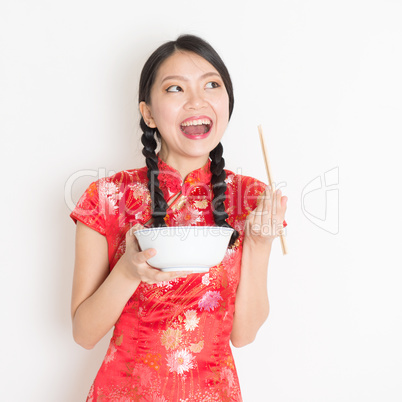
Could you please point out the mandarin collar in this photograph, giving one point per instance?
(170, 180)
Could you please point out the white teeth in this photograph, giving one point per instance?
(196, 122)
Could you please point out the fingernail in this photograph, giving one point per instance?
(279, 192)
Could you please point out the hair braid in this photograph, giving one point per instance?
(219, 188)
(158, 203)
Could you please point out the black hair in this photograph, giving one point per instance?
(194, 44)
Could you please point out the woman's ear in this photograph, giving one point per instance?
(147, 115)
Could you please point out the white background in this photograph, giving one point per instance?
(324, 80)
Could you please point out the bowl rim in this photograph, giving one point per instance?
(207, 227)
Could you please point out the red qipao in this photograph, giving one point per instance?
(171, 342)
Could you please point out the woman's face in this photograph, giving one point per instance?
(189, 106)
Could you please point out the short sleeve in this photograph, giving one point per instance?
(89, 209)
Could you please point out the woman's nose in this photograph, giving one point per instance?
(195, 100)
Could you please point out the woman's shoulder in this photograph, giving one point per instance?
(117, 184)
(127, 176)
(244, 182)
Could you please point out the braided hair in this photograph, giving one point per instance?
(158, 202)
(159, 205)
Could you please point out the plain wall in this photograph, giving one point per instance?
(324, 80)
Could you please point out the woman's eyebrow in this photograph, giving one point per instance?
(183, 78)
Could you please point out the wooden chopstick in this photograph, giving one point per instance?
(271, 183)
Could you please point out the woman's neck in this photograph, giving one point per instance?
(184, 165)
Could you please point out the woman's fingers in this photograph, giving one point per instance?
(259, 210)
(257, 215)
(265, 210)
(151, 275)
(279, 202)
(160, 276)
(142, 257)
(139, 260)
(131, 240)
(266, 220)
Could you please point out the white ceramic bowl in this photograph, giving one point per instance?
(185, 248)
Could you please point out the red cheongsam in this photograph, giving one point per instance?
(171, 342)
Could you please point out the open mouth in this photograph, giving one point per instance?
(196, 127)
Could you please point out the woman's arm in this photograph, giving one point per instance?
(98, 297)
(252, 304)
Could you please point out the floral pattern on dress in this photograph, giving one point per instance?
(180, 361)
(210, 300)
(171, 338)
(191, 321)
(197, 347)
(171, 341)
(187, 217)
(205, 279)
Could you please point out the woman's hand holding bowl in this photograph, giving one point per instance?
(135, 261)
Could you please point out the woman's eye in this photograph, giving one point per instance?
(212, 84)
(174, 88)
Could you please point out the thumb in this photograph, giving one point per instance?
(130, 237)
